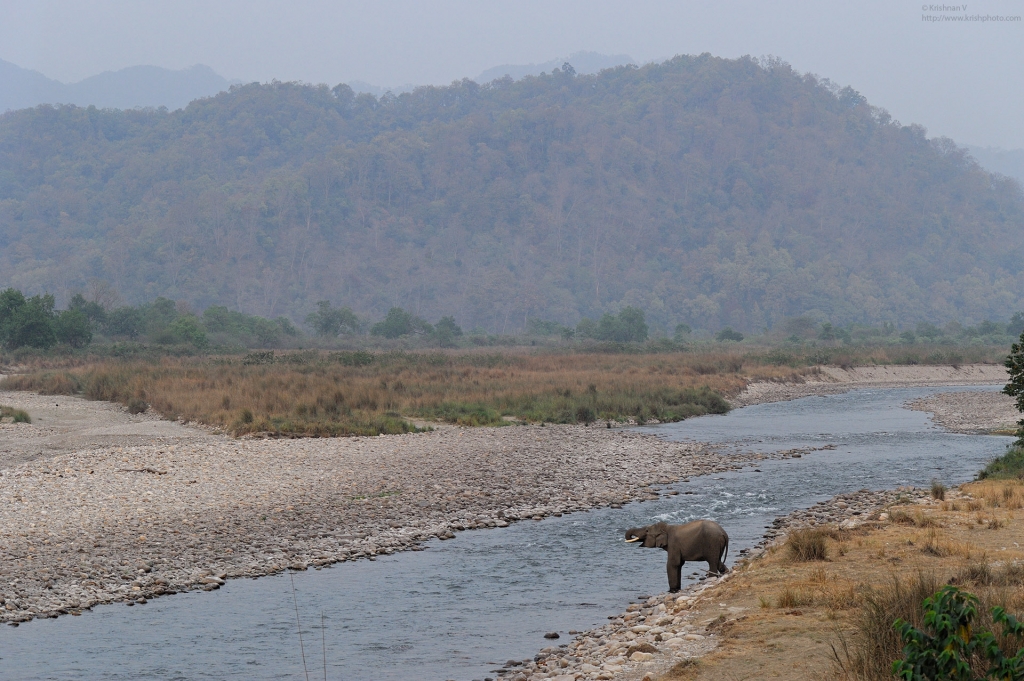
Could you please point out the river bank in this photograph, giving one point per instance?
(832, 380)
(673, 631)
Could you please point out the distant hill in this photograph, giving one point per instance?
(705, 191)
(136, 86)
(1009, 162)
(583, 63)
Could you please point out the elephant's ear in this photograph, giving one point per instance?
(661, 536)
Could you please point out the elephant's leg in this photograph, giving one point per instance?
(675, 574)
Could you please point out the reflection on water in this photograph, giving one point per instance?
(466, 605)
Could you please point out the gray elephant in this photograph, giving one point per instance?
(701, 540)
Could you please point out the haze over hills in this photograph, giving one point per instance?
(584, 63)
(705, 191)
(135, 86)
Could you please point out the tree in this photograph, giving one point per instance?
(447, 331)
(125, 322)
(1015, 387)
(928, 330)
(93, 311)
(73, 327)
(727, 334)
(186, 329)
(628, 326)
(26, 322)
(586, 328)
(330, 322)
(633, 325)
(1016, 325)
(682, 333)
(398, 323)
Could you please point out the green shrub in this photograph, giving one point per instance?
(1009, 465)
(949, 646)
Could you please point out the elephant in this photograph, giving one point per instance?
(700, 540)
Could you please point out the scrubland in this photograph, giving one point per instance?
(318, 394)
(821, 604)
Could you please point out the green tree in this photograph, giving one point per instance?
(398, 323)
(330, 322)
(1015, 387)
(125, 322)
(586, 328)
(928, 330)
(93, 311)
(1016, 325)
(73, 327)
(633, 324)
(682, 333)
(727, 334)
(447, 331)
(187, 329)
(27, 322)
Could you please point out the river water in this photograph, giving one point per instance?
(465, 606)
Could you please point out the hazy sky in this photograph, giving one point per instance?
(961, 79)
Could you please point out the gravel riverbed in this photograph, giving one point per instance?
(85, 522)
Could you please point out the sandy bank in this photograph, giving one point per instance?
(831, 380)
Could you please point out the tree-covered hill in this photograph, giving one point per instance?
(704, 191)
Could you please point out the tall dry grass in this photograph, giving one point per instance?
(309, 393)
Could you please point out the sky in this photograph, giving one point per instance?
(961, 79)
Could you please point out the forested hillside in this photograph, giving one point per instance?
(703, 191)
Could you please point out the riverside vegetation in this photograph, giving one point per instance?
(311, 393)
(318, 393)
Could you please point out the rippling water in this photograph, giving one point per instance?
(463, 607)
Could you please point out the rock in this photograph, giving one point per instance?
(551, 634)
(641, 657)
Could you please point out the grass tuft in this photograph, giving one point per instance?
(808, 544)
(15, 415)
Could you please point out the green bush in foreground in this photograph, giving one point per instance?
(1009, 465)
(951, 647)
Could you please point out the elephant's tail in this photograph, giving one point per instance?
(725, 554)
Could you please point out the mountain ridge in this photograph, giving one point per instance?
(705, 191)
(127, 88)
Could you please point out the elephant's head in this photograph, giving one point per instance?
(651, 537)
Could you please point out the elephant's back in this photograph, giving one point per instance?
(709, 529)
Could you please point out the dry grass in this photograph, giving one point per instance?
(310, 393)
(808, 544)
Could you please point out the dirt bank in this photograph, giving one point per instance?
(830, 380)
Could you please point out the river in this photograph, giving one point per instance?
(463, 607)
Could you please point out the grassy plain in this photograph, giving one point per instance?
(322, 393)
(318, 394)
(830, 616)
